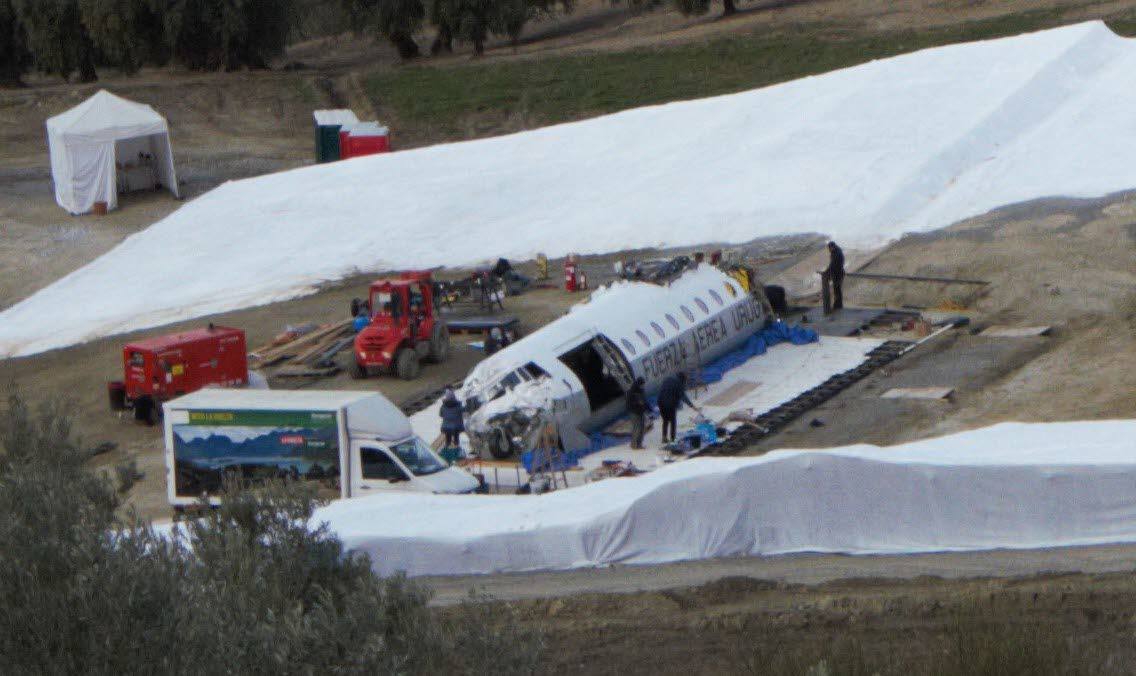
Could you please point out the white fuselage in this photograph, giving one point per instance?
(579, 366)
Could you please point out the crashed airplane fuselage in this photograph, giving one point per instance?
(576, 370)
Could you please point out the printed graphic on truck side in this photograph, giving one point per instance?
(254, 445)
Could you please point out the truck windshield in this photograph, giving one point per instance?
(416, 455)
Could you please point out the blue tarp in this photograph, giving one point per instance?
(599, 441)
(777, 332)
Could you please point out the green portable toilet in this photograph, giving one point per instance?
(328, 123)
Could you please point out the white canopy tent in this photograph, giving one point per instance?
(106, 145)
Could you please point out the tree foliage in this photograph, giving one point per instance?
(471, 21)
(14, 55)
(127, 33)
(396, 20)
(228, 34)
(57, 38)
(701, 7)
(66, 36)
(249, 588)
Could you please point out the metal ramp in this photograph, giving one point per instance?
(776, 419)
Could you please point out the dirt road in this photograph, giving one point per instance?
(797, 569)
(1043, 624)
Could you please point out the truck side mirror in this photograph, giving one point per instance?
(398, 478)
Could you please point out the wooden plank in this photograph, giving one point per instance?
(931, 393)
(307, 339)
(998, 331)
(337, 347)
(320, 347)
(915, 278)
(304, 372)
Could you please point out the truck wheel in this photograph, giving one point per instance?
(116, 393)
(500, 446)
(147, 410)
(358, 372)
(439, 344)
(406, 364)
(155, 417)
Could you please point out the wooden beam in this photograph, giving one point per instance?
(914, 278)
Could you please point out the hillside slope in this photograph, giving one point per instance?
(864, 154)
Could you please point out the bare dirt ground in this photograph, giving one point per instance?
(920, 625)
(1068, 263)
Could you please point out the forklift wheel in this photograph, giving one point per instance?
(500, 446)
(358, 372)
(439, 344)
(406, 364)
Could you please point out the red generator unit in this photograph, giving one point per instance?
(163, 367)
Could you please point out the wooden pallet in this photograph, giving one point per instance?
(301, 344)
(309, 355)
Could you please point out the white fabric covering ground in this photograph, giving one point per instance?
(1012, 485)
(88, 141)
(779, 375)
(864, 154)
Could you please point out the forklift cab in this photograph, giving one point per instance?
(403, 328)
(400, 301)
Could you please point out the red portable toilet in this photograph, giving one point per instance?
(345, 140)
(368, 138)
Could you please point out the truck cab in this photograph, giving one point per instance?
(341, 443)
(403, 328)
(407, 465)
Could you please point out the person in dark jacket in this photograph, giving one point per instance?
(835, 274)
(672, 395)
(452, 423)
(493, 341)
(637, 408)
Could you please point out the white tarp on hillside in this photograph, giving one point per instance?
(864, 154)
(1009, 486)
(105, 145)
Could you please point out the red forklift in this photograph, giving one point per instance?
(163, 367)
(403, 329)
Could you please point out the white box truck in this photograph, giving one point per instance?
(356, 443)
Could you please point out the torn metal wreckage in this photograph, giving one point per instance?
(579, 367)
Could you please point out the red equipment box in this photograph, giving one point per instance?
(164, 367)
